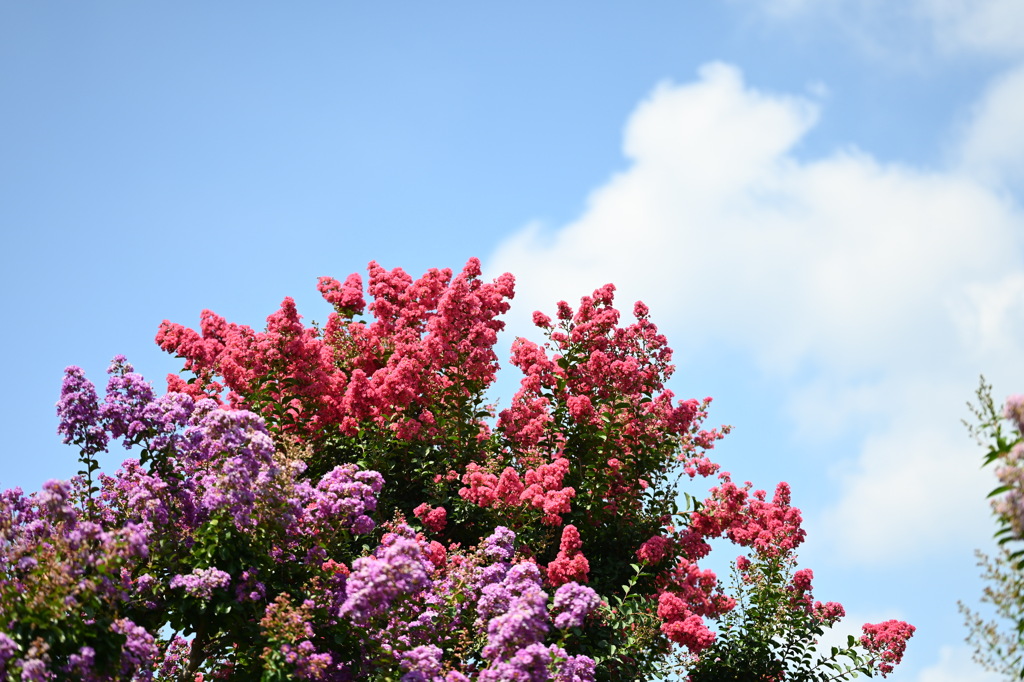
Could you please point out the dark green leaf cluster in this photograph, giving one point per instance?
(772, 635)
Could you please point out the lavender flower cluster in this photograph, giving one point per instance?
(58, 563)
(71, 551)
(345, 496)
(486, 592)
(201, 582)
(1010, 505)
(211, 489)
(397, 568)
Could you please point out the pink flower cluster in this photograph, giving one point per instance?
(748, 519)
(1009, 506)
(691, 595)
(570, 564)
(542, 490)
(610, 366)
(429, 346)
(654, 549)
(681, 625)
(888, 642)
(827, 614)
(434, 519)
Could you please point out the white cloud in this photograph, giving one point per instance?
(955, 665)
(993, 145)
(991, 318)
(992, 27)
(983, 25)
(915, 488)
(874, 290)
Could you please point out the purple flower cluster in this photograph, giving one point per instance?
(35, 665)
(488, 582)
(79, 413)
(398, 568)
(80, 664)
(422, 663)
(305, 660)
(204, 465)
(139, 650)
(540, 663)
(573, 603)
(239, 452)
(128, 396)
(201, 582)
(524, 619)
(576, 669)
(136, 489)
(249, 588)
(531, 663)
(8, 648)
(43, 533)
(165, 416)
(175, 659)
(223, 463)
(343, 498)
(515, 610)
(500, 545)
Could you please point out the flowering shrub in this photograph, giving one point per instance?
(340, 503)
(998, 646)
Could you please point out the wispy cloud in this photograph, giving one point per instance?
(992, 147)
(955, 665)
(902, 32)
(993, 26)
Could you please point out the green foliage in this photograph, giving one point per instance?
(773, 633)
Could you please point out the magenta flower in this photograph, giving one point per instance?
(888, 642)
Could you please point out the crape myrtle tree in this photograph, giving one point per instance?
(999, 642)
(339, 502)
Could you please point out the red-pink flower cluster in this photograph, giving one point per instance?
(771, 528)
(614, 373)
(828, 613)
(681, 625)
(570, 564)
(543, 489)
(430, 346)
(654, 550)
(434, 519)
(691, 595)
(437, 554)
(888, 642)
(346, 298)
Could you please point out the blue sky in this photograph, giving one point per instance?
(823, 204)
